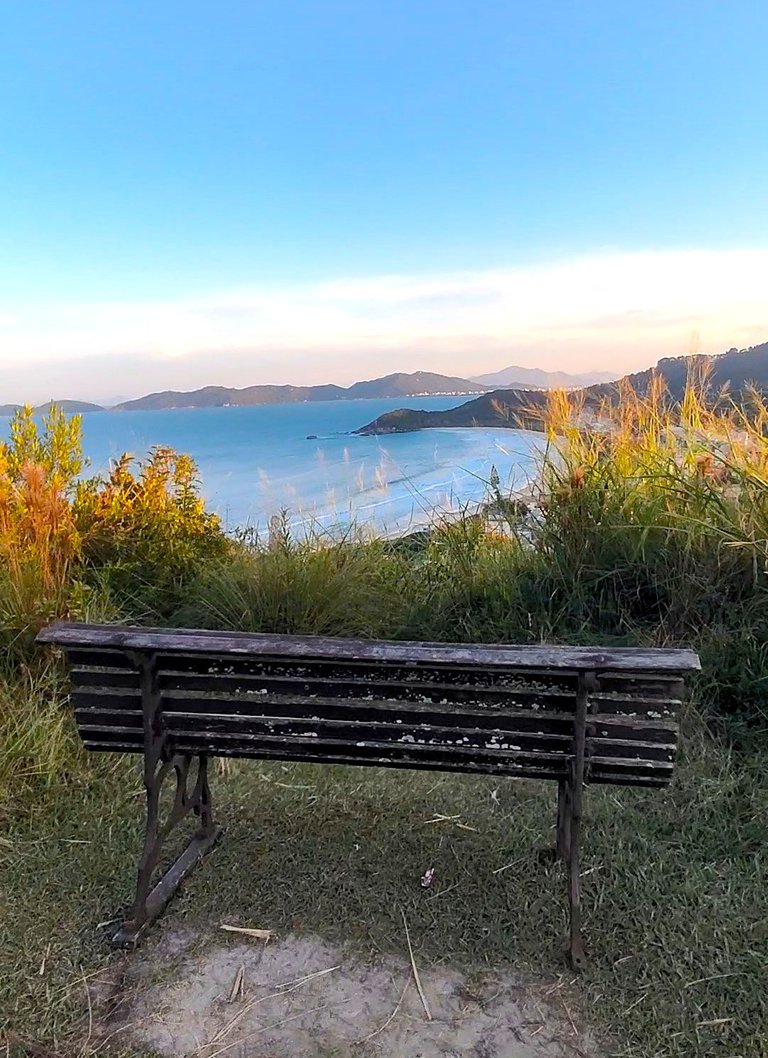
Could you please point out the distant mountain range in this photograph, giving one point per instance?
(507, 405)
(534, 378)
(400, 384)
(733, 373)
(418, 384)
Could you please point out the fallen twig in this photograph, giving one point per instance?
(237, 986)
(258, 934)
(274, 1025)
(506, 866)
(283, 989)
(85, 1046)
(416, 977)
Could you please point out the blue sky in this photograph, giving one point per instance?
(238, 162)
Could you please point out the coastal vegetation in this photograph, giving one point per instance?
(648, 527)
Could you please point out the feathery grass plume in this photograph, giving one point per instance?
(655, 520)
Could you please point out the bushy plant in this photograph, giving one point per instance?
(145, 530)
(93, 548)
(39, 542)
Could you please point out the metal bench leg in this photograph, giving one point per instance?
(151, 900)
(563, 843)
(576, 953)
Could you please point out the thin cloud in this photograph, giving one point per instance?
(611, 311)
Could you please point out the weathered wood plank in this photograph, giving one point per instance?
(215, 742)
(502, 712)
(348, 669)
(613, 725)
(615, 778)
(204, 673)
(181, 724)
(233, 686)
(633, 659)
(651, 684)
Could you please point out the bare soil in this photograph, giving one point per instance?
(300, 997)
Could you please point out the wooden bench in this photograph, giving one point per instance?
(575, 715)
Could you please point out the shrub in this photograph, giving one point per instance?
(39, 542)
(145, 531)
(78, 548)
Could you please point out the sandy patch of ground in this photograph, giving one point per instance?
(300, 997)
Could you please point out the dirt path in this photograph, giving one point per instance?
(302, 998)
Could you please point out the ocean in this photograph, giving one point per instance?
(257, 462)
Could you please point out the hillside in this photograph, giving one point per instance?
(535, 378)
(71, 407)
(734, 372)
(511, 408)
(417, 384)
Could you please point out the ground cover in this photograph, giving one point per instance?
(675, 888)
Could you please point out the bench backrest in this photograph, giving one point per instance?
(508, 710)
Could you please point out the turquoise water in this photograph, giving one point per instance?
(256, 462)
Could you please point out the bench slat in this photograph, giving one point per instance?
(332, 669)
(181, 666)
(598, 773)
(650, 684)
(235, 692)
(605, 725)
(181, 724)
(623, 659)
(384, 712)
(214, 742)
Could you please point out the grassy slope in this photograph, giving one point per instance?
(676, 886)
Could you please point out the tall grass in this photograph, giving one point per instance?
(39, 743)
(652, 524)
(80, 548)
(318, 586)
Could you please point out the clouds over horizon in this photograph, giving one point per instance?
(602, 312)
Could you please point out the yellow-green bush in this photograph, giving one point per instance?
(77, 548)
(144, 531)
(39, 542)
